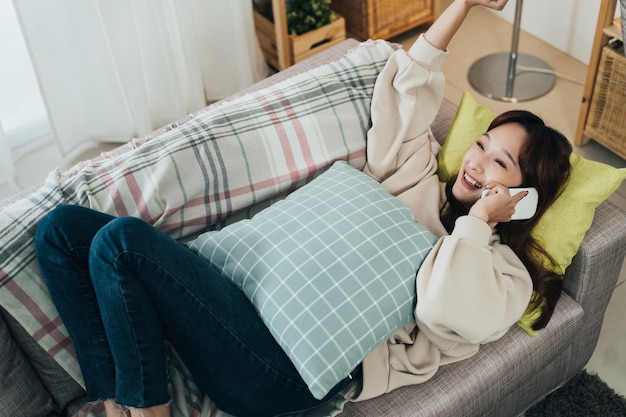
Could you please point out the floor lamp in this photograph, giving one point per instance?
(509, 76)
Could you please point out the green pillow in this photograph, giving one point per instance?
(330, 269)
(563, 226)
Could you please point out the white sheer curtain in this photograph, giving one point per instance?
(7, 168)
(110, 70)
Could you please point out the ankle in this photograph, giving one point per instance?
(157, 411)
(113, 409)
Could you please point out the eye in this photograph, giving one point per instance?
(501, 163)
(480, 145)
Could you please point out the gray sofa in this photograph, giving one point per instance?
(503, 379)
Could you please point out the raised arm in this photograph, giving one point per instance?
(443, 29)
(406, 99)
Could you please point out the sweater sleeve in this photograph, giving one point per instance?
(405, 101)
(471, 288)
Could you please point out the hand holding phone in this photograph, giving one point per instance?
(526, 207)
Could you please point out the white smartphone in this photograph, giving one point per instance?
(526, 207)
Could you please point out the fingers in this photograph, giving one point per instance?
(492, 4)
(495, 188)
(499, 4)
(498, 204)
(517, 197)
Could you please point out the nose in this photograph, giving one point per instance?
(476, 164)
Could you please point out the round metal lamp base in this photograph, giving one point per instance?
(533, 77)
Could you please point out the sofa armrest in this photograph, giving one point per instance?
(592, 276)
(21, 390)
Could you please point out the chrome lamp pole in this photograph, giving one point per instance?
(509, 76)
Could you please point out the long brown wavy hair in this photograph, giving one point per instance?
(544, 162)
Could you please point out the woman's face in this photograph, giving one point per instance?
(494, 158)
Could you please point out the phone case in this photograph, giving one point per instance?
(527, 206)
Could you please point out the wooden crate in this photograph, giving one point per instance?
(299, 47)
(606, 122)
(310, 43)
(383, 19)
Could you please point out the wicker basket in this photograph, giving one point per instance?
(606, 122)
(383, 19)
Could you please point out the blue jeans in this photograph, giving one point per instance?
(122, 287)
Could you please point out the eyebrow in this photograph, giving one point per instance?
(507, 153)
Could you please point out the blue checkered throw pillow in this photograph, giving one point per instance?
(330, 269)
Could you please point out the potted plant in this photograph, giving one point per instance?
(306, 15)
(312, 26)
(302, 15)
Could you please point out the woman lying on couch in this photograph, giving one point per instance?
(122, 287)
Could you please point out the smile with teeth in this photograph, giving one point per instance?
(472, 181)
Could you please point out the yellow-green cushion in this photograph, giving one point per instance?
(563, 226)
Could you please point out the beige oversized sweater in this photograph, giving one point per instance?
(471, 289)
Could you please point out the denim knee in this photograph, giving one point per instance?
(122, 233)
(65, 226)
(49, 225)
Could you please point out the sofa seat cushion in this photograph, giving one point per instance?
(330, 269)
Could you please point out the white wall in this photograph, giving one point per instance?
(568, 25)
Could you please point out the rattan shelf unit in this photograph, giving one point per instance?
(602, 115)
(383, 19)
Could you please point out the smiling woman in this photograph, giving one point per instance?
(492, 161)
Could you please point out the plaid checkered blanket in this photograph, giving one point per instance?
(223, 164)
